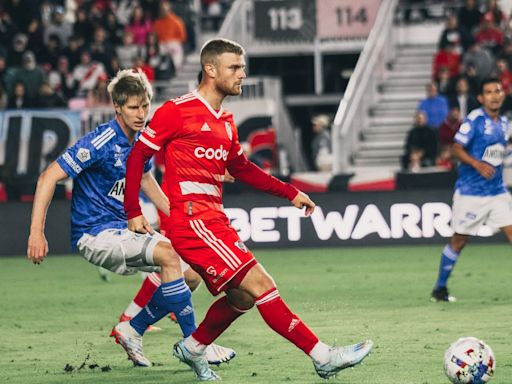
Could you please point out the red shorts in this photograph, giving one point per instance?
(214, 250)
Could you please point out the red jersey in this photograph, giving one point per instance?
(199, 143)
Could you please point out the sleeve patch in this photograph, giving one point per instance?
(465, 128)
(72, 163)
(83, 155)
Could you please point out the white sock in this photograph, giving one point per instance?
(132, 309)
(193, 345)
(320, 353)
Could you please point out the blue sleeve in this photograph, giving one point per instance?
(80, 156)
(148, 166)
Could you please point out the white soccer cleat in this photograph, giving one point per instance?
(216, 355)
(131, 341)
(343, 357)
(197, 362)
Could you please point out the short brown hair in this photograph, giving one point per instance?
(216, 47)
(129, 82)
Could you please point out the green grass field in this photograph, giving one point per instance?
(60, 313)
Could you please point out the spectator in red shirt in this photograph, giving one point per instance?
(449, 58)
(449, 127)
(504, 75)
(489, 36)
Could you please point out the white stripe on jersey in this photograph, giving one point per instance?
(188, 187)
(184, 98)
(212, 236)
(102, 139)
(217, 248)
(216, 114)
(149, 143)
(271, 296)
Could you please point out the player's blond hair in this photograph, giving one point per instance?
(212, 49)
(129, 82)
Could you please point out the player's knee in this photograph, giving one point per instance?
(165, 256)
(192, 279)
(458, 243)
(240, 299)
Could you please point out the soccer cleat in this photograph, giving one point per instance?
(442, 294)
(131, 342)
(215, 354)
(343, 357)
(124, 317)
(197, 362)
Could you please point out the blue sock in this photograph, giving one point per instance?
(448, 260)
(175, 297)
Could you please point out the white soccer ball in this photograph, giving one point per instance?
(469, 361)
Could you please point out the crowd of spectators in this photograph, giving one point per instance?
(475, 43)
(56, 53)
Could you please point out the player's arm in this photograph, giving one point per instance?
(37, 247)
(134, 171)
(249, 173)
(153, 191)
(484, 169)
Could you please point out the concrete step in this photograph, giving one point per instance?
(411, 73)
(401, 95)
(397, 129)
(425, 66)
(403, 50)
(399, 106)
(393, 121)
(385, 136)
(403, 88)
(418, 81)
(372, 162)
(395, 145)
(379, 153)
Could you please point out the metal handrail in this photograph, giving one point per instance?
(378, 49)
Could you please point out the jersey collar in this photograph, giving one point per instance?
(216, 114)
(115, 125)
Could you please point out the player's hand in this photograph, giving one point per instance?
(139, 224)
(37, 247)
(228, 178)
(302, 200)
(485, 170)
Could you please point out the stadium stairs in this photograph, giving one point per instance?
(382, 142)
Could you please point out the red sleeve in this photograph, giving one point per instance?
(134, 170)
(246, 171)
(162, 128)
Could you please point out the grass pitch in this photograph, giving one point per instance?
(59, 315)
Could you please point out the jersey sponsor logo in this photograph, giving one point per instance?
(211, 154)
(229, 131)
(72, 163)
(494, 154)
(224, 271)
(117, 190)
(83, 155)
(206, 128)
(149, 132)
(211, 271)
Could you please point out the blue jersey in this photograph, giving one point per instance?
(97, 163)
(485, 140)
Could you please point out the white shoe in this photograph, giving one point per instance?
(215, 354)
(197, 362)
(343, 357)
(131, 341)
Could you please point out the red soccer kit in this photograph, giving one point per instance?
(199, 144)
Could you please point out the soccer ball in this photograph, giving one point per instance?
(469, 361)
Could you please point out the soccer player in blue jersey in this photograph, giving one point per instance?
(481, 196)
(97, 164)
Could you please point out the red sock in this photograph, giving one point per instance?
(218, 318)
(279, 317)
(149, 286)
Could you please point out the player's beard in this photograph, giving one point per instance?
(229, 91)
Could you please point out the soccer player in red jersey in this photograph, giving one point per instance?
(200, 141)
